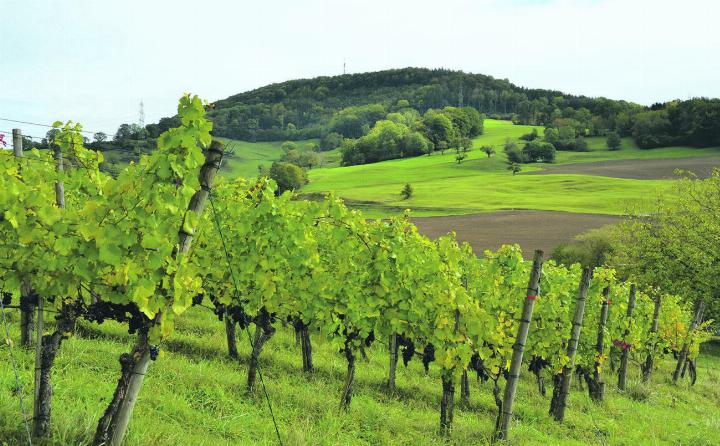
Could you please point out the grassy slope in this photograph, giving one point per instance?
(247, 156)
(443, 187)
(195, 395)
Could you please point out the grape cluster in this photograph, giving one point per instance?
(408, 349)
(428, 356)
(100, 311)
(537, 364)
(6, 298)
(154, 351)
(476, 363)
(236, 312)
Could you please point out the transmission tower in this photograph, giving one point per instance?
(343, 66)
(460, 96)
(141, 117)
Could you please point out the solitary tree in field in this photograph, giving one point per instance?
(514, 168)
(442, 147)
(100, 137)
(489, 151)
(407, 191)
(460, 157)
(613, 141)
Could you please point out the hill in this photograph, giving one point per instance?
(300, 109)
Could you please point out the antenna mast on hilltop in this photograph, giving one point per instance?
(343, 66)
(141, 117)
(460, 96)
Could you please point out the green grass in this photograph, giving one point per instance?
(195, 395)
(444, 187)
(245, 157)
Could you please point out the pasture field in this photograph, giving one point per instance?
(246, 156)
(529, 229)
(195, 395)
(479, 184)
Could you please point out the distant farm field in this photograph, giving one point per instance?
(542, 206)
(529, 229)
(639, 169)
(479, 184)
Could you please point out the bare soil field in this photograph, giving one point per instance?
(637, 169)
(530, 229)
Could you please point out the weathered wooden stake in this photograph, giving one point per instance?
(596, 387)
(647, 367)
(393, 350)
(113, 425)
(27, 308)
(506, 411)
(622, 373)
(17, 142)
(562, 384)
(41, 407)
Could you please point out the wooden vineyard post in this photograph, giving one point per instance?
(506, 411)
(562, 383)
(622, 373)
(647, 367)
(596, 387)
(27, 308)
(41, 408)
(393, 350)
(113, 425)
(699, 309)
(17, 143)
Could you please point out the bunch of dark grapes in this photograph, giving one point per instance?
(408, 349)
(428, 356)
(476, 363)
(237, 313)
(154, 351)
(537, 364)
(6, 298)
(370, 339)
(98, 312)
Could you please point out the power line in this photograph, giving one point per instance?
(101, 149)
(49, 126)
(18, 384)
(247, 328)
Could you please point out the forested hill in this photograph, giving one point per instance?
(301, 109)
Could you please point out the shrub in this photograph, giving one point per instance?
(538, 151)
(613, 141)
(532, 136)
(407, 191)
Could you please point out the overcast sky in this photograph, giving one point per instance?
(94, 61)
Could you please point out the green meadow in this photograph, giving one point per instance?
(195, 395)
(444, 187)
(477, 184)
